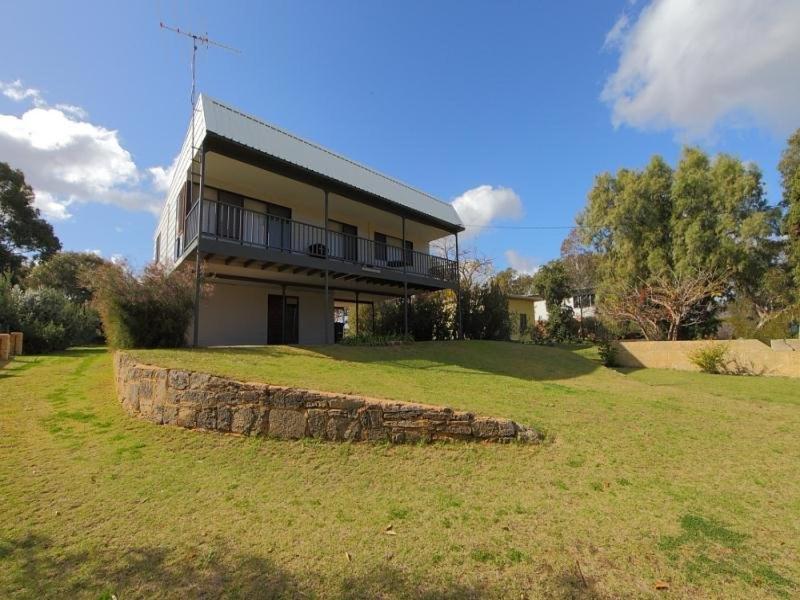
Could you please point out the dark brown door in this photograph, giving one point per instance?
(283, 319)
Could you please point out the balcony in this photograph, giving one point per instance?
(236, 225)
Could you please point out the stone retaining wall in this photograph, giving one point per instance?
(202, 401)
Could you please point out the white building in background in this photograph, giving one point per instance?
(582, 304)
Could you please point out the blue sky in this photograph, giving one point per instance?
(448, 97)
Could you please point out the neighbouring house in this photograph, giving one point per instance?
(522, 310)
(290, 237)
(582, 304)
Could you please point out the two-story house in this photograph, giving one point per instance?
(282, 231)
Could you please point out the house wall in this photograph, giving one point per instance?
(237, 314)
(540, 309)
(517, 307)
(167, 227)
(307, 202)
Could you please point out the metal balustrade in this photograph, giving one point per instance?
(245, 227)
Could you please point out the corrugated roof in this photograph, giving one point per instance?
(239, 127)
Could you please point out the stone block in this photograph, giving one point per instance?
(242, 419)
(339, 428)
(187, 417)
(345, 403)
(178, 380)
(317, 420)
(458, 428)
(485, 428)
(287, 424)
(372, 418)
(288, 398)
(224, 418)
(206, 418)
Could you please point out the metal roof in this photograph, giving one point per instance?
(249, 131)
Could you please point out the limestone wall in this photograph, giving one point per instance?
(750, 355)
(202, 401)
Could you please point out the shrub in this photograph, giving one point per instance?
(8, 313)
(712, 358)
(367, 339)
(561, 325)
(607, 352)
(50, 321)
(150, 311)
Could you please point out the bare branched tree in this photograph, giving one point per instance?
(666, 302)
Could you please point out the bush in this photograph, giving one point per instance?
(151, 311)
(607, 352)
(561, 325)
(366, 339)
(711, 359)
(50, 321)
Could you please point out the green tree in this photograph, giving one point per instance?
(23, 232)
(789, 168)
(552, 283)
(69, 272)
(708, 216)
(514, 282)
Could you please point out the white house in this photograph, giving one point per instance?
(287, 233)
(582, 304)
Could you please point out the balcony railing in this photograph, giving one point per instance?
(245, 227)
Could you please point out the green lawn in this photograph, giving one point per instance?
(647, 476)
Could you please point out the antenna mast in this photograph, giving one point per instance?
(197, 41)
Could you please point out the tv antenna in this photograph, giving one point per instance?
(198, 40)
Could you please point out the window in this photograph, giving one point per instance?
(342, 240)
(584, 301)
(523, 323)
(380, 246)
(389, 249)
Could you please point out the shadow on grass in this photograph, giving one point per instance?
(39, 569)
(521, 361)
(509, 359)
(36, 567)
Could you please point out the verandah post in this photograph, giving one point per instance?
(405, 283)
(197, 262)
(328, 312)
(458, 292)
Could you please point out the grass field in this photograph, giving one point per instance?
(647, 477)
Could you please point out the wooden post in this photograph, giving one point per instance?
(5, 346)
(16, 343)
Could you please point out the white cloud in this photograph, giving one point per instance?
(162, 177)
(18, 92)
(617, 32)
(484, 205)
(692, 65)
(75, 111)
(117, 259)
(68, 160)
(523, 264)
